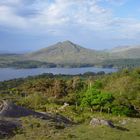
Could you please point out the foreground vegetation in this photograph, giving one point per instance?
(113, 96)
(42, 130)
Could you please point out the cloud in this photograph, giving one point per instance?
(10, 2)
(61, 16)
(59, 12)
(129, 28)
(9, 18)
(84, 13)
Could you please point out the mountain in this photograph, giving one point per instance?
(126, 52)
(67, 53)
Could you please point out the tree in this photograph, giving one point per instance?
(94, 98)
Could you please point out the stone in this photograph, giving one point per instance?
(64, 106)
(11, 110)
(123, 122)
(98, 122)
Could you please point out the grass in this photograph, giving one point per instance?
(87, 132)
(37, 129)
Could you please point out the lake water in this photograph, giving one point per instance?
(9, 73)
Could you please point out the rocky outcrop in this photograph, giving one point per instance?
(10, 121)
(11, 110)
(8, 109)
(98, 122)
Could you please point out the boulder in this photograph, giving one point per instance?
(11, 110)
(98, 122)
(10, 114)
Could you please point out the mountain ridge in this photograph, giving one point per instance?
(67, 52)
(126, 52)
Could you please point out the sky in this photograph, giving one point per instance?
(28, 25)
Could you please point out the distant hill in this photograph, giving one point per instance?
(67, 53)
(126, 52)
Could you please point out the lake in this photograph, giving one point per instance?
(9, 73)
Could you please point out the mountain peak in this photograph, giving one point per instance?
(66, 52)
(66, 46)
(65, 43)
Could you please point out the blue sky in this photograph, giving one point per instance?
(27, 25)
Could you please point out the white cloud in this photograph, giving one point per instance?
(9, 18)
(59, 12)
(11, 2)
(130, 29)
(60, 15)
(81, 12)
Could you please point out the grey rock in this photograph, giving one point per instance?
(11, 110)
(98, 122)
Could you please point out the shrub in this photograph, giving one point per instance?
(121, 110)
(96, 99)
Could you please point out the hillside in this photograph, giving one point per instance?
(63, 107)
(67, 53)
(126, 52)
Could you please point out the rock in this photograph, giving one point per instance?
(123, 122)
(135, 120)
(64, 106)
(98, 122)
(7, 128)
(11, 110)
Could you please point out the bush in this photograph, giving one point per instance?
(96, 99)
(33, 101)
(98, 84)
(121, 110)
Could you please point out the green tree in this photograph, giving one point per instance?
(94, 98)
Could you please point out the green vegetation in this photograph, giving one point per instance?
(95, 99)
(86, 132)
(113, 96)
(6, 59)
(18, 61)
(116, 93)
(30, 64)
(121, 63)
(41, 130)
